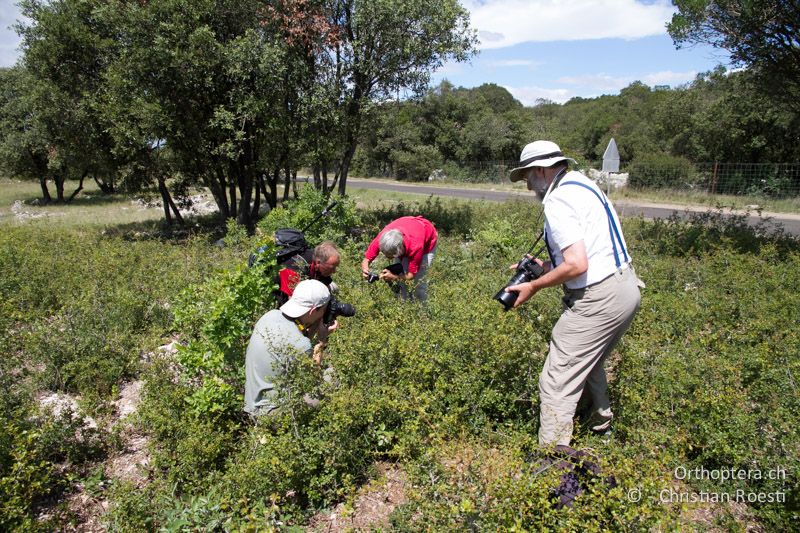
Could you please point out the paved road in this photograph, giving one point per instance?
(790, 222)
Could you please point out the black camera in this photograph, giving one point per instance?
(394, 268)
(527, 270)
(336, 308)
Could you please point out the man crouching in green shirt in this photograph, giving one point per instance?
(278, 338)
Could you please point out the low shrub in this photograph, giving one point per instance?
(657, 171)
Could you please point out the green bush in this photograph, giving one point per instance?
(299, 213)
(77, 310)
(417, 163)
(38, 457)
(486, 486)
(658, 171)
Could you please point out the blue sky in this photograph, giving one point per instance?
(558, 49)
(553, 49)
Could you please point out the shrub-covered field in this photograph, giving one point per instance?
(704, 381)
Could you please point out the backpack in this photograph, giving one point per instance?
(289, 242)
(293, 257)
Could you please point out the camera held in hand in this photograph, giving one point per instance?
(336, 308)
(527, 270)
(394, 268)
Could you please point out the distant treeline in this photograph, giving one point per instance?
(721, 116)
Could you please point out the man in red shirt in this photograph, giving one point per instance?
(410, 241)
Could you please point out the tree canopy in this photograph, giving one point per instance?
(231, 95)
(763, 35)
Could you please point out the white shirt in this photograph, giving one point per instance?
(573, 213)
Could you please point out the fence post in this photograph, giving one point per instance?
(714, 178)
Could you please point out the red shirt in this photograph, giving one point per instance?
(419, 238)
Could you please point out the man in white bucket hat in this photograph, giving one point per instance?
(589, 257)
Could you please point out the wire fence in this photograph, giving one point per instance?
(770, 180)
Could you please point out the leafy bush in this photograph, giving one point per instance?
(448, 217)
(300, 212)
(37, 458)
(77, 310)
(659, 171)
(417, 163)
(470, 485)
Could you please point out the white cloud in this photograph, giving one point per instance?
(667, 77)
(529, 95)
(503, 23)
(603, 83)
(514, 63)
(598, 82)
(593, 85)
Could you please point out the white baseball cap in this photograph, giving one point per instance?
(538, 154)
(307, 295)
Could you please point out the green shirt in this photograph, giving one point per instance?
(275, 342)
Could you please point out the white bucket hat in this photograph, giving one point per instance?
(307, 295)
(538, 154)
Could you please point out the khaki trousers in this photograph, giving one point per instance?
(593, 321)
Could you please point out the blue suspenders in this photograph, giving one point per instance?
(612, 227)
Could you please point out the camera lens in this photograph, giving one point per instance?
(508, 298)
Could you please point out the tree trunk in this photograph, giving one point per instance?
(273, 187)
(46, 198)
(294, 185)
(245, 182)
(105, 188)
(80, 187)
(256, 200)
(59, 189)
(215, 183)
(317, 177)
(232, 193)
(262, 184)
(287, 182)
(169, 205)
(345, 168)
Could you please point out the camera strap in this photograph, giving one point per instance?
(541, 248)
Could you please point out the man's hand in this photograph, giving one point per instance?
(524, 292)
(385, 275)
(365, 268)
(546, 265)
(323, 330)
(318, 352)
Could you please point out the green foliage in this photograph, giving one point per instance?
(452, 394)
(416, 164)
(706, 377)
(337, 225)
(220, 315)
(658, 171)
(753, 32)
(467, 485)
(37, 458)
(78, 310)
(448, 217)
(87, 320)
